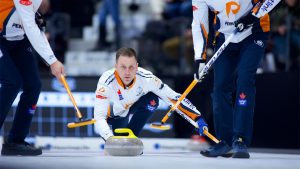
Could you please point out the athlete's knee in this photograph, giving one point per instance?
(246, 80)
(34, 87)
(220, 97)
(222, 91)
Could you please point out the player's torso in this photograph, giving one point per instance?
(10, 22)
(229, 11)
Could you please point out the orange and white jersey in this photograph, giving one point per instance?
(17, 19)
(112, 92)
(227, 12)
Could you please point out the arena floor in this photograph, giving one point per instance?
(173, 159)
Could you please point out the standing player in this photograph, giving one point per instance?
(129, 89)
(19, 32)
(236, 66)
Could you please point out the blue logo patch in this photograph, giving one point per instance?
(32, 109)
(242, 100)
(151, 108)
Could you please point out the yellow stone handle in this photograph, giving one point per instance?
(124, 130)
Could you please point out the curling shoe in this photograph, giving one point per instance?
(220, 149)
(23, 149)
(239, 149)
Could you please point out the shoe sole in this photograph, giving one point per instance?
(228, 155)
(241, 155)
(9, 153)
(223, 155)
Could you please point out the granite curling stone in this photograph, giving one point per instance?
(124, 145)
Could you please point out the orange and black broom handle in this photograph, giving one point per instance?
(184, 94)
(63, 80)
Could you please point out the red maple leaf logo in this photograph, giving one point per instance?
(194, 8)
(152, 103)
(119, 92)
(242, 96)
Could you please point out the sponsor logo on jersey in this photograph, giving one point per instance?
(25, 2)
(229, 23)
(120, 95)
(242, 101)
(100, 93)
(233, 7)
(98, 96)
(267, 5)
(101, 90)
(17, 26)
(259, 43)
(189, 104)
(51, 57)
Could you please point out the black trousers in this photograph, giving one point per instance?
(18, 70)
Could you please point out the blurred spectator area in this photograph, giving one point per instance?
(283, 51)
(160, 32)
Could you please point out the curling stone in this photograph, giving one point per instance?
(124, 145)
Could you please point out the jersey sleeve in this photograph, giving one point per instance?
(36, 37)
(200, 28)
(265, 7)
(102, 110)
(170, 97)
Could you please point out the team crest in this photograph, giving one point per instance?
(32, 109)
(120, 95)
(152, 106)
(242, 100)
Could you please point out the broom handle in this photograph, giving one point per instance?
(184, 94)
(63, 79)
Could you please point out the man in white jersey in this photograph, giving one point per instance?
(19, 32)
(128, 89)
(236, 66)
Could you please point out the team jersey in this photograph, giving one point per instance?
(17, 19)
(111, 92)
(227, 12)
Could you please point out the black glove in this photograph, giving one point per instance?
(40, 21)
(245, 22)
(199, 65)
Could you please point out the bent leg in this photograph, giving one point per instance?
(142, 110)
